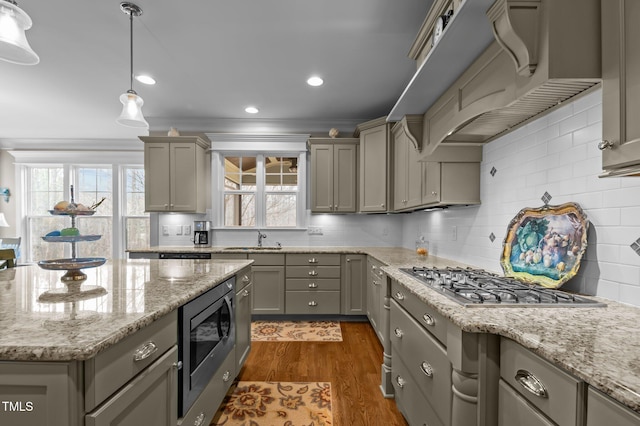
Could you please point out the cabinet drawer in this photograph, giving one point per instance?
(267, 259)
(311, 284)
(424, 357)
(318, 259)
(313, 271)
(426, 316)
(515, 410)
(560, 391)
(413, 405)
(243, 278)
(115, 366)
(312, 302)
(206, 405)
(602, 410)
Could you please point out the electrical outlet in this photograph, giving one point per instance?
(186, 229)
(454, 233)
(314, 231)
(165, 230)
(178, 230)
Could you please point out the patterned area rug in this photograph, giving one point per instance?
(296, 331)
(276, 404)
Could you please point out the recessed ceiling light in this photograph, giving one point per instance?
(145, 79)
(315, 81)
(251, 110)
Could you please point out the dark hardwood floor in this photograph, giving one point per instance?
(352, 366)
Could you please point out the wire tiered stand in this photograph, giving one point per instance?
(74, 277)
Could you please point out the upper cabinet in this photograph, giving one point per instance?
(407, 170)
(334, 165)
(375, 165)
(177, 173)
(620, 87)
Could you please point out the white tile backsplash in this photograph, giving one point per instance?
(556, 153)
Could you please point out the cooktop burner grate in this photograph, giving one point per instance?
(475, 287)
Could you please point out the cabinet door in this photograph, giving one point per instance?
(354, 284)
(183, 171)
(268, 292)
(602, 410)
(431, 184)
(150, 398)
(515, 410)
(621, 82)
(414, 177)
(157, 180)
(243, 325)
(344, 178)
(322, 178)
(400, 150)
(373, 169)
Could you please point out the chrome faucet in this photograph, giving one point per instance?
(260, 237)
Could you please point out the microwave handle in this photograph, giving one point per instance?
(221, 332)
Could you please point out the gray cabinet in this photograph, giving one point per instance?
(244, 287)
(150, 398)
(602, 410)
(313, 283)
(448, 183)
(620, 86)
(354, 284)
(333, 175)
(376, 292)
(267, 276)
(407, 170)
(177, 174)
(375, 166)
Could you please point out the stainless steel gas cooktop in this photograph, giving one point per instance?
(475, 287)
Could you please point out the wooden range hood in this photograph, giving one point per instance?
(545, 52)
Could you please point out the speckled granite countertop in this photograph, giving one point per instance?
(138, 293)
(599, 345)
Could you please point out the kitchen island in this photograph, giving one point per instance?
(598, 345)
(51, 349)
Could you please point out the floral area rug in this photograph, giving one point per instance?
(276, 404)
(296, 331)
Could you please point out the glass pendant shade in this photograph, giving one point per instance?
(14, 46)
(131, 115)
(3, 221)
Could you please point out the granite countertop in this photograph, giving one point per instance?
(35, 328)
(600, 345)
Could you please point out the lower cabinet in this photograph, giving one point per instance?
(354, 284)
(244, 287)
(602, 410)
(267, 276)
(313, 284)
(377, 291)
(150, 398)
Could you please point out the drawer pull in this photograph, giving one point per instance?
(531, 383)
(313, 260)
(313, 303)
(313, 274)
(380, 273)
(245, 293)
(199, 421)
(313, 285)
(177, 365)
(246, 279)
(226, 376)
(375, 282)
(144, 351)
(400, 381)
(399, 295)
(428, 319)
(426, 368)
(399, 333)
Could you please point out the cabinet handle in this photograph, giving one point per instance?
(399, 295)
(380, 273)
(166, 205)
(399, 333)
(144, 351)
(313, 260)
(428, 319)
(199, 421)
(313, 274)
(605, 144)
(313, 303)
(375, 282)
(374, 267)
(531, 383)
(171, 205)
(426, 368)
(400, 381)
(245, 293)
(246, 279)
(382, 205)
(313, 285)
(177, 365)
(348, 260)
(434, 193)
(226, 376)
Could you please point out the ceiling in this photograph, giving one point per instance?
(211, 59)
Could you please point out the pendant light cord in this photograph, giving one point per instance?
(131, 50)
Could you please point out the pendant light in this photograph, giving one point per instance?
(14, 46)
(131, 115)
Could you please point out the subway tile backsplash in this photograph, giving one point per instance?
(556, 153)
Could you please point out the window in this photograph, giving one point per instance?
(137, 229)
(261, 191)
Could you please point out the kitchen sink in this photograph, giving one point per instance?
(253, 248)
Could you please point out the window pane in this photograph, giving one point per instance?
(93, 185)
(134, 192)
(89, 225)
(281, 209)
(137, 232)
(46, 184)
(41, 226)
(135, 180)
(281, 174)
(239, 210)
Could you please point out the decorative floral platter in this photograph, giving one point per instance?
(545, 245)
